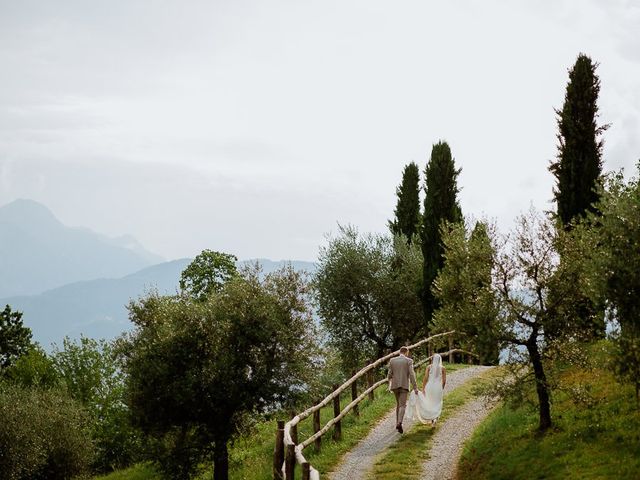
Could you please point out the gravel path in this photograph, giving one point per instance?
(450, 437)
(358, 461)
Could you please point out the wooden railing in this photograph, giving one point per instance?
(288, 452)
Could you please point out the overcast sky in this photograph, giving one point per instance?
(255, 127)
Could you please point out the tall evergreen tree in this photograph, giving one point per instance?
(407, 213)
(579, 162)
(578, 168)
(440, 205)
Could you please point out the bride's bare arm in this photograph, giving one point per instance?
(426, 377)
(444, 377)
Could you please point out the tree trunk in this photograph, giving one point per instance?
(542, 387)
(220, 461)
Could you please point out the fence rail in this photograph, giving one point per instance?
(287, 452)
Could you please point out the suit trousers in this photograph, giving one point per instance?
(401, 404)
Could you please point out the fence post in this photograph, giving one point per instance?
(430, 351)
(306, 471)
(370, 384)
(337, 428)
(278, 452)
(290, 469)
(354, 395)
(452, 356)
(316, 429)
(294, 430)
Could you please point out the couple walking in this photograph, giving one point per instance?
(425, 404)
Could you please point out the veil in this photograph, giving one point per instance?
(435, 371)
(427, 406)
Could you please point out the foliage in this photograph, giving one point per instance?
(464, 291)
(207, 273)
(579, 163)
(196, 369)
(44, 434)
(526, 270)
(407, 212)
(15, 338)
(34, 369)
(440, 205)
(89, 371)
(606, 247)
(367, 294)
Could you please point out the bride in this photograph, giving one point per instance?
(426, 405)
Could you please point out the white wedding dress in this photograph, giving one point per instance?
(427, 406)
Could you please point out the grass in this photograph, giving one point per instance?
(403, 459)
(251, 457)
(596, 441)
(141, 471)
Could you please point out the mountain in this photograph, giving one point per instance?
(97, 308)
(38, 252)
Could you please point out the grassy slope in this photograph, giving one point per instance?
(251, 457)
(403, 460)
(601, 441)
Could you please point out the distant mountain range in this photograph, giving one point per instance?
(88, 298)
(38, 252)
(97, 308)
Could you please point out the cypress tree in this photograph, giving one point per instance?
(579, 162)
(407, 212)
(440, 205)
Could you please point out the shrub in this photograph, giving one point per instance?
(44, 434)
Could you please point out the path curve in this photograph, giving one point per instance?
(360, 460)
(450, 437)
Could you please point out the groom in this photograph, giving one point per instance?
(400, 373)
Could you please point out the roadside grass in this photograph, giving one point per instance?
(251, 456)
(596, 441)
(404, 459)
(140, 471)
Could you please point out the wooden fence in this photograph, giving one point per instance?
(288, 452)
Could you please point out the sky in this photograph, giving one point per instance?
(256, 128)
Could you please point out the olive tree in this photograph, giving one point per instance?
(196, 369)
(606, 247)
(367, 290)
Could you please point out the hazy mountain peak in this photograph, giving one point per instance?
(38, 252)
(25, 211)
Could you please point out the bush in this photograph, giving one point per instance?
(43, 435)
(90, 373)
(33, 369)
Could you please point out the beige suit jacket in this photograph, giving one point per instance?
(401, 373)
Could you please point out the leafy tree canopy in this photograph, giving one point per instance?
(367, 292)
(15, 338)
(197, 368)
(464, 290)
(207, 273)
